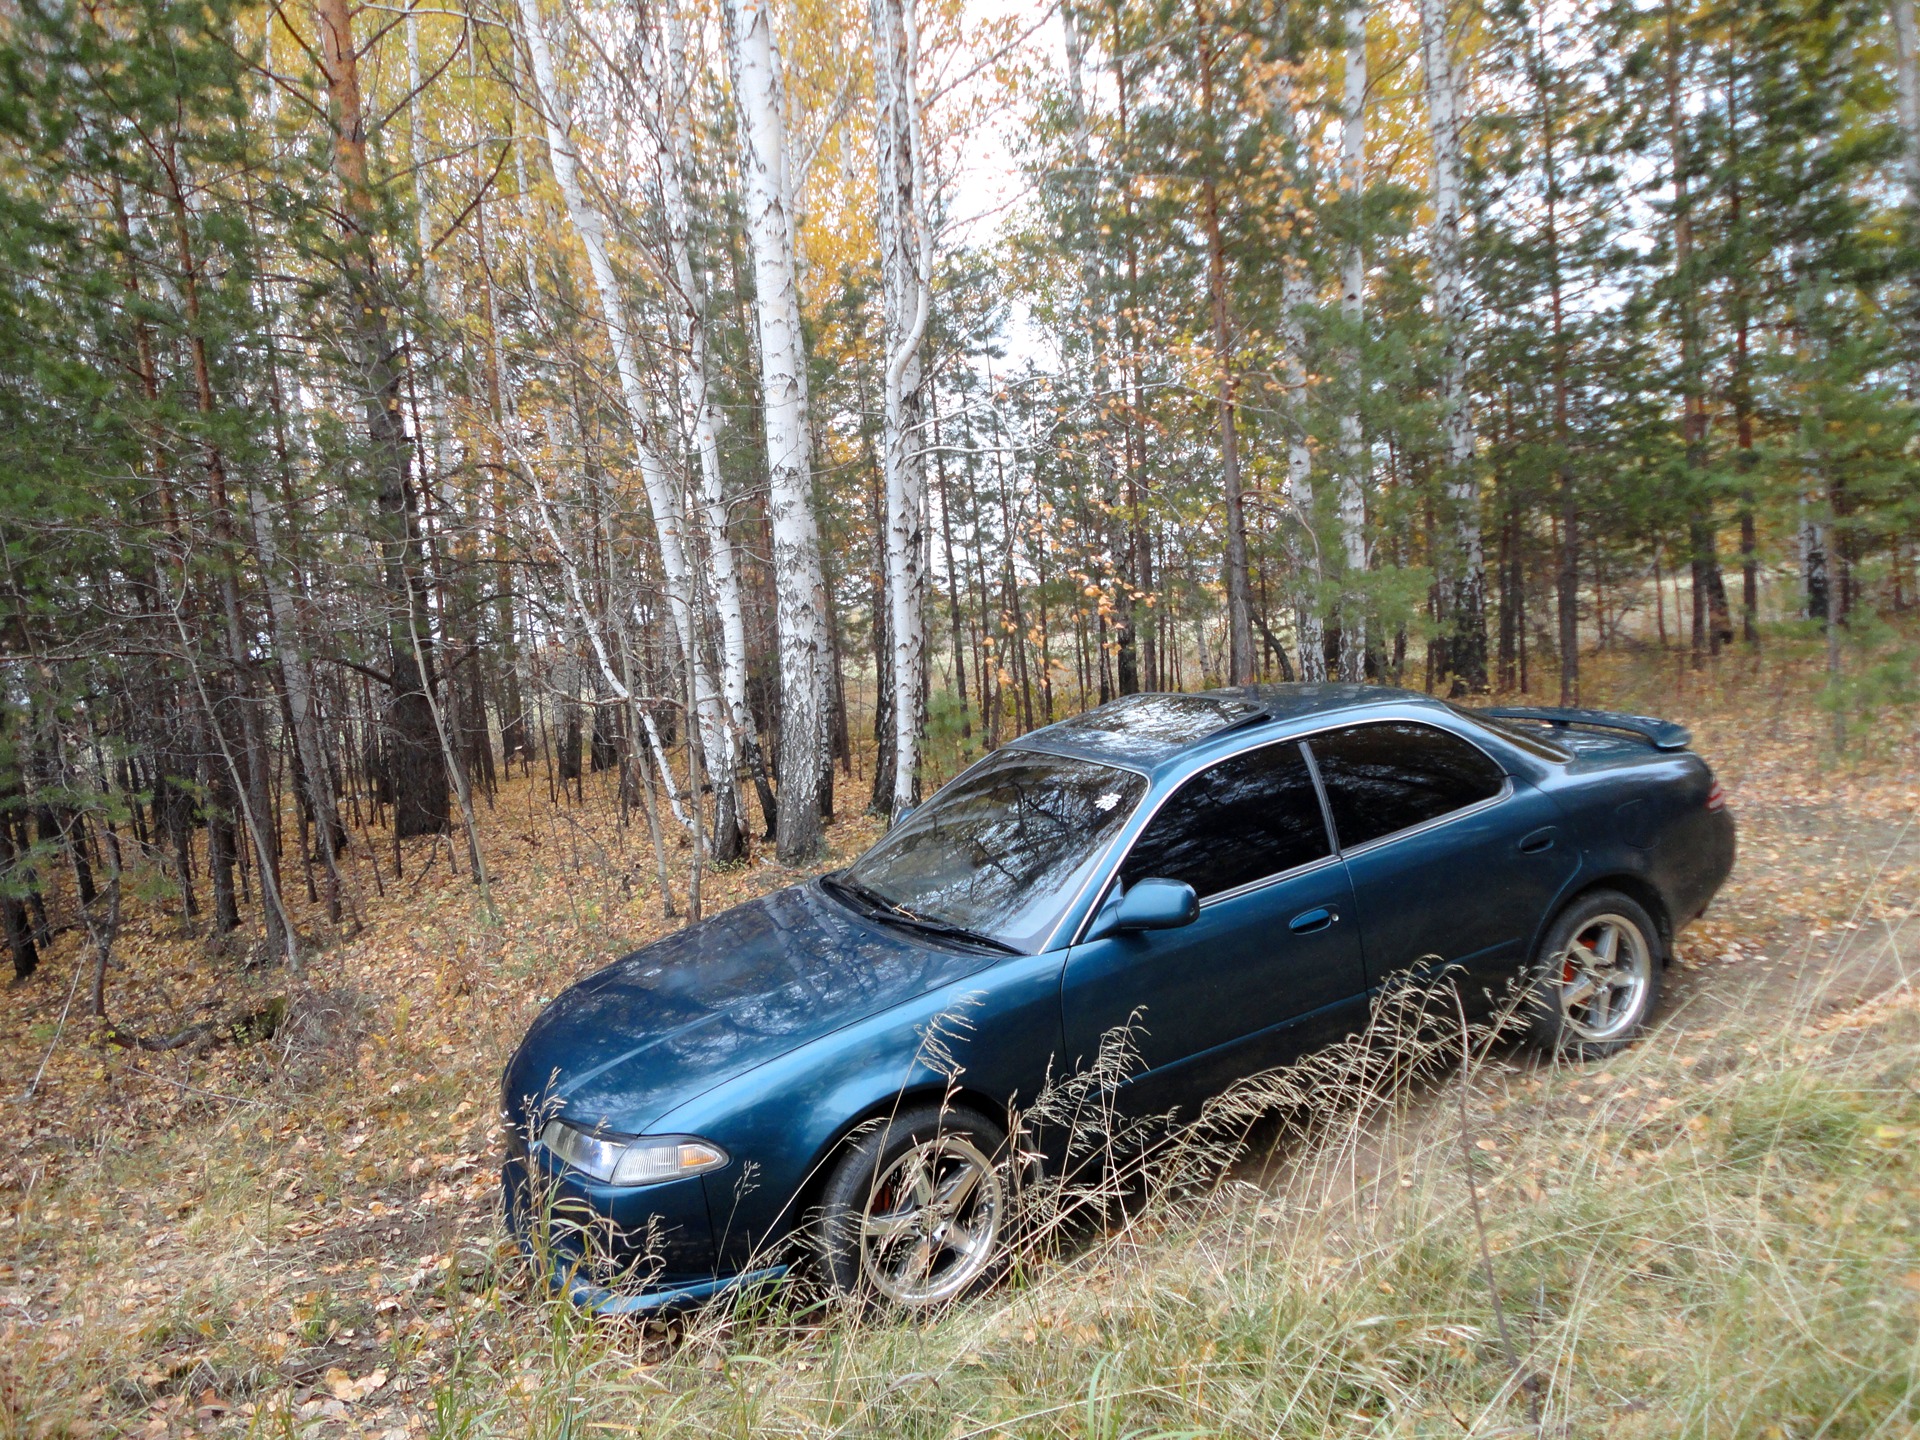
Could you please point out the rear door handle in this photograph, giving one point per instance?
(1308, 921)
(1539, 840)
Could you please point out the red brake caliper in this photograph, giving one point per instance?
(1568, 971)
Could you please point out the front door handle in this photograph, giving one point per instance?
(1539, 840)
(1308, 921)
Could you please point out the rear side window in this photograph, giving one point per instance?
(1240, 821)
(1395, 774)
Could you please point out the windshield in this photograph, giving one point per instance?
(1002, 850)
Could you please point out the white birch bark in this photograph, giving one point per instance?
(703, 418)
(1906, 40)
(1907, 84)
(1353, 309)
(663, 497)
(906, 262)
(798, 582)
(1462, 574)
(283, 615)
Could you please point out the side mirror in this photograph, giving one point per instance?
(1148, 905)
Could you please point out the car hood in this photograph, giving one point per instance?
(631, 1042)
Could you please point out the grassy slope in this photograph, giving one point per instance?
(1712, 1235)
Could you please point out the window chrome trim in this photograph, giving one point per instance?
(1506, 790)
(1254, 886)
(1337, 852)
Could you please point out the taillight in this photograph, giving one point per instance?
(1716, 797)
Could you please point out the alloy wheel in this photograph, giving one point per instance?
(932, 1222)
(1605, 975)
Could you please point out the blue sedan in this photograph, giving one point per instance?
(831, 1070)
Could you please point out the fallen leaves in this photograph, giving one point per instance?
(350, 1391)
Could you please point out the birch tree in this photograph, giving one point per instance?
(1906, 35)
(700, 416)
(1240, 658)
(1461, 572)
(798, 583)
(1907, 88)
(906, 262)
(663, 494)
(1353, 310)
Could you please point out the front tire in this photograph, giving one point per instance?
(1597, 979)
(916, 1211)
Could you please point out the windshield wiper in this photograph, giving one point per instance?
(887, 911)
(869, 898)
(897, 916)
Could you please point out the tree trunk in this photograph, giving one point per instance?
(436, 436)
(1741, 384)
(705, 421)
(1462, 572)
(954, 635)
(663, 496)
(783, 377)
(250, 781)
(284, 626)
(906, 265)
(412, 752)
(1353, 280)
(1704, 561)
(1567, 576)
(1296, 293)
(25, 954)
(1241, 660)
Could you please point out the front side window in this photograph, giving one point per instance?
(1004, 849)
(1395, 774)
(1242, 820)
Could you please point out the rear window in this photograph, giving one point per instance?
(1529, 735)
(1394, 774)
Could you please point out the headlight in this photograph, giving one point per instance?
(643, 1161)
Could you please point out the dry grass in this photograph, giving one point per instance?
(1711, 1235)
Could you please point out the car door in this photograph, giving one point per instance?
(1449, 857)
(1272, 962)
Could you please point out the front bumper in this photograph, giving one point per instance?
(668, 1300)
(618, 1250)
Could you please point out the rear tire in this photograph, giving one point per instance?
(1596, 978)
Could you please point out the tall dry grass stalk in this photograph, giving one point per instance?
(1680, 1241)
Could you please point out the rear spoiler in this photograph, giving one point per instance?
(1661, 734)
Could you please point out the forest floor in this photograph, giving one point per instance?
(1715, 1233)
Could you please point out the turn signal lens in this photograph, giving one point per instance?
(1716, 797)
(648, 1162)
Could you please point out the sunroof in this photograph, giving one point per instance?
(1140, 724)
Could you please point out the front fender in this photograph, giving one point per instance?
(993, 1033)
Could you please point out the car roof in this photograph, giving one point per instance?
(1153, 728)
